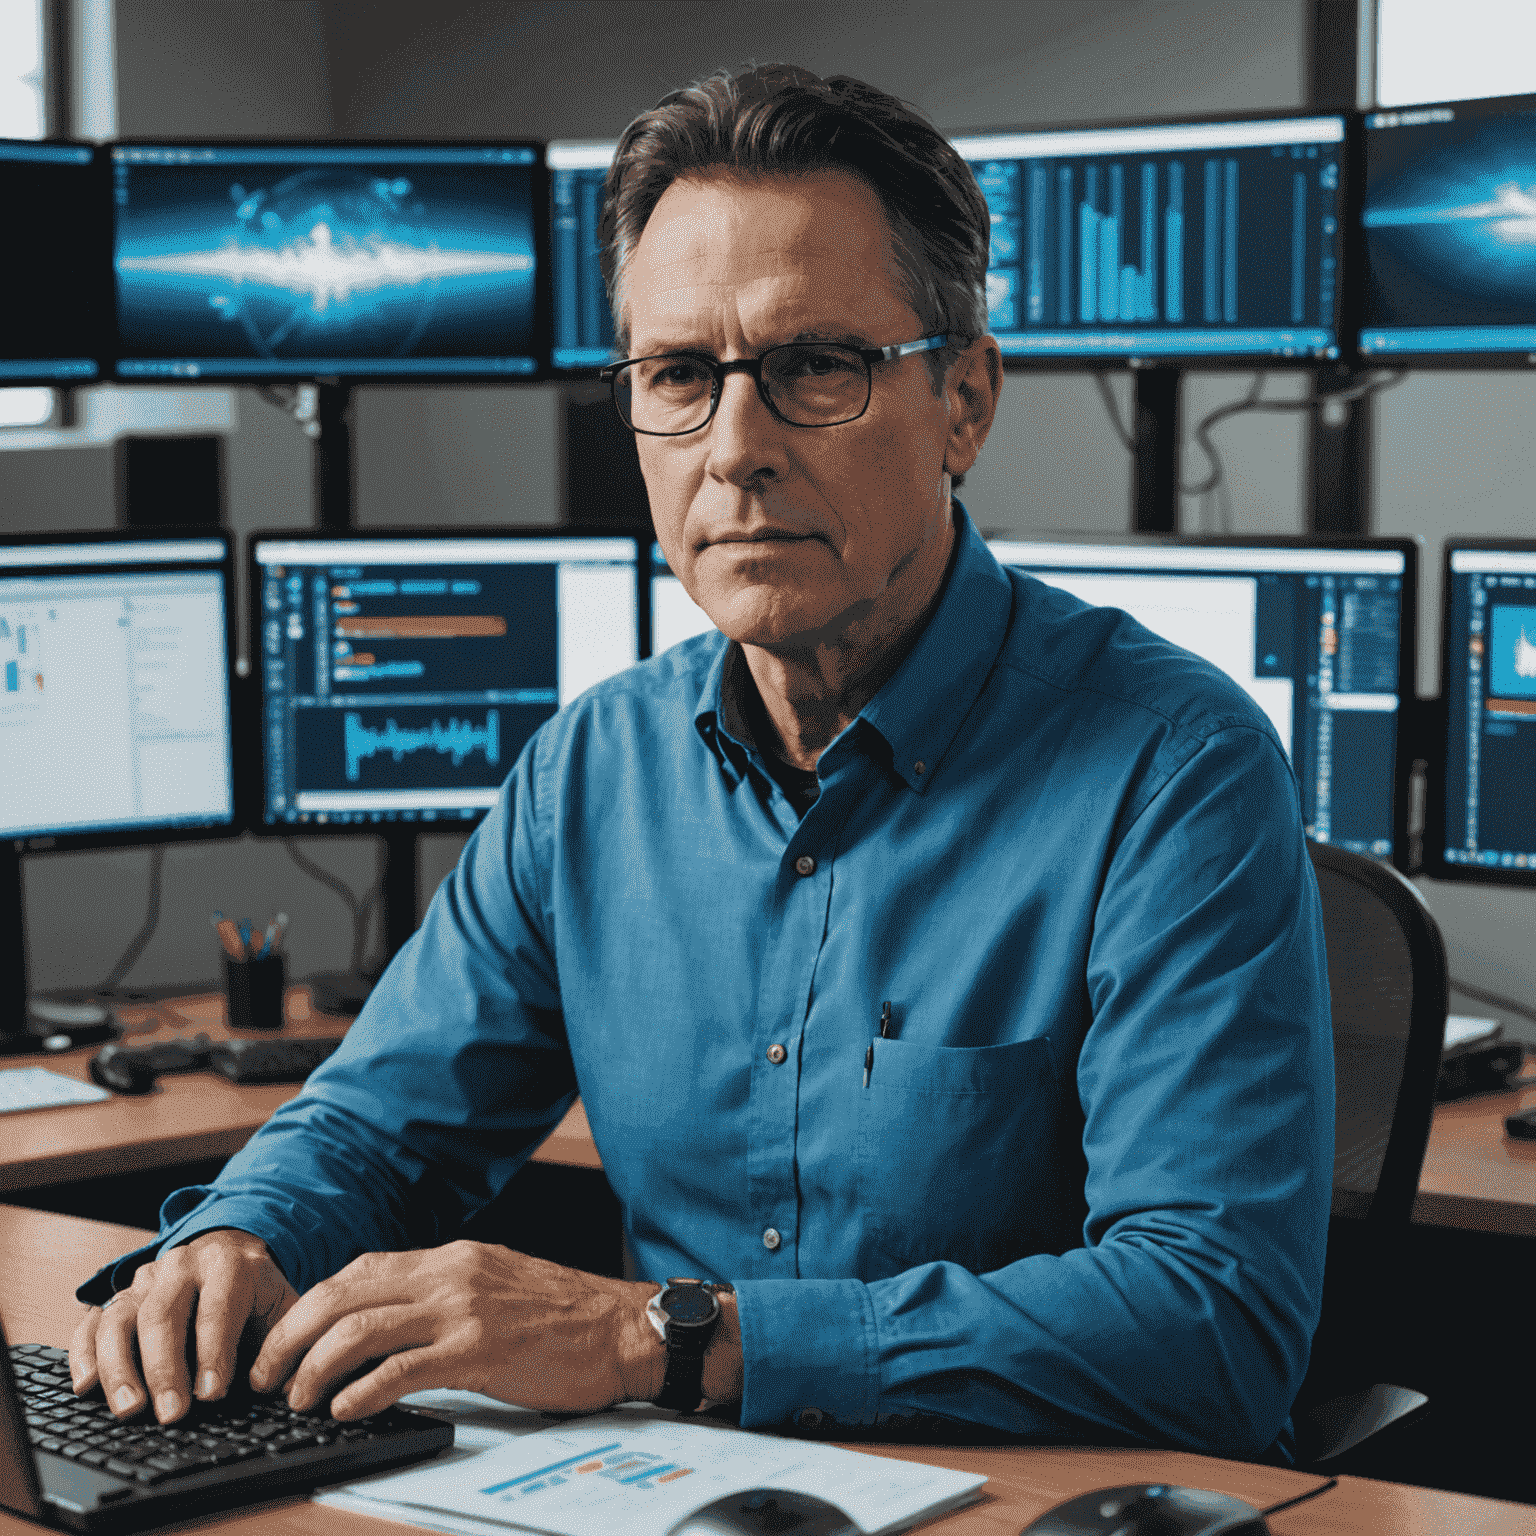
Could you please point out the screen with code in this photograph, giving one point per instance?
(583, 335)
(401, 676)
(1165, 240)
(1321, 638)
(295, 260)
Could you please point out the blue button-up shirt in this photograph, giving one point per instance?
(1083, 1194)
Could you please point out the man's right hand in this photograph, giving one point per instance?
(224, 1279)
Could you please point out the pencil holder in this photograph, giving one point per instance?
(255, 992)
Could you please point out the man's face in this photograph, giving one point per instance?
(787, 536)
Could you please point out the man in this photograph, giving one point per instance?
(938, 959)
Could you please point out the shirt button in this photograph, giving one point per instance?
(805, 865)
(771, 1239)
(809, 1418)
(777, 1054)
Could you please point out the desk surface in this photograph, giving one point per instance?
(43, 1255)
(190, 1116)
(1474, 1176)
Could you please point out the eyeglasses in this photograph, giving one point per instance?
(804, 384)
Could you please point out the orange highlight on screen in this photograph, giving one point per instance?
(590, 1466)
(1511, 706)
(469, 626)
(672, 1477)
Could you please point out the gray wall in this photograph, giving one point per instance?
(1452, 450)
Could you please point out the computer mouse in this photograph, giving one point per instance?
(122, 1070)
(767, 1512)
(1150, 1509)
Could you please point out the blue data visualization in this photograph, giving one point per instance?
(1449, 215)
(583, 332)
(455, 741)
(271, 261)
(1170, 240)
(56, 240)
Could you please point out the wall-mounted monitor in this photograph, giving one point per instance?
(1449, 231)
(583, 323)
(115, 688)
(53, 263)
(1191, 241)
(1320, 635)
(300, 261)
(401, 673)
(1482, 823)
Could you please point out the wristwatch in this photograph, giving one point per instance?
(686, 1315)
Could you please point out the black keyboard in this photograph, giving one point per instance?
(217, 1448)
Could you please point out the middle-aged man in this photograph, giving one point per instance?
(938, 958)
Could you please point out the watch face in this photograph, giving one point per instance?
(690, 1306)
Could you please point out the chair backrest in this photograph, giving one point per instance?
(1389, 984)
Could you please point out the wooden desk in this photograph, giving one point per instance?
(43, 1255)
(1474, 1176)
(191, 1116)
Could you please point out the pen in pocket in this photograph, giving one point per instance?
(885, 1034)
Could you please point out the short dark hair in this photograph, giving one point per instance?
(781, 119)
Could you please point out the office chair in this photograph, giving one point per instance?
(1388, 981)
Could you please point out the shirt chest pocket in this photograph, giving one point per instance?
(960, 1154)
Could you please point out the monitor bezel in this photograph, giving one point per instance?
(1458, 362)
(94, 273)
(539, 345)
(584, 371)
(1435, 863)
(256, 782)
(1410, 744)
(150, 832)
(1346, 290)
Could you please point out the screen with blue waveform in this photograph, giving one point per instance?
(1169, 240)
(267, 261)
(1449, 219)
(52, 261)
(1486, 826)
(403, 674)
(583, 330)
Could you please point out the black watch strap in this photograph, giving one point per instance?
(687, 1341)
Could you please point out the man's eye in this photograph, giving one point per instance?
(677, 373)
(812, 363)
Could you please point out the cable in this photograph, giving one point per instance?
(1301, 1498)
(300, 401)
(1107, 395)
(130, 956)
(359, 909)
(1493, 999)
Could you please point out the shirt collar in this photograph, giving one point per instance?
(921, 708)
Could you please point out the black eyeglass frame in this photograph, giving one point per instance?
(753, 368)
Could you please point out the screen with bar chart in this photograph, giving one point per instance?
(402, 674)
(301, 261)
(1484, 826)
(56, 311)
(1449, 220)
(114, 688)
(1320, 636)
(1175, 240)
(583, 331)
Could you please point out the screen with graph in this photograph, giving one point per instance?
(1486, 826)
(56, 312)
(401, 676)
(114, 688)
(377, 261)
(1449, 219)
(1321, 637)
(1178, 240)
(583, 333)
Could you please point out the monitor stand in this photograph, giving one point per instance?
(27, 1024)
(345, 992)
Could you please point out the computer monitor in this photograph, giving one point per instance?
(1449, 228)
(583, 324)
(402, 673)
(115, 688)
(53, 263)
(1482, 822)
(362, 261)
(1320, 635)
(675, 616)
(1191, 241)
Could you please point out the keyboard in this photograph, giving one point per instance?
(207, 1459)
(38, 1088)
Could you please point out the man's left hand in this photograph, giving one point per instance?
(475, 1317)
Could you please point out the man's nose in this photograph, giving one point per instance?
(745, 438)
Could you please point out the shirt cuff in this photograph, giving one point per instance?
(809, 1353)
(188, 1214)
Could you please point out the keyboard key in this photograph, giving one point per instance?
(94, 1458)
(122, 1468)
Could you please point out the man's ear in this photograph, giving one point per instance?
(973, 383)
